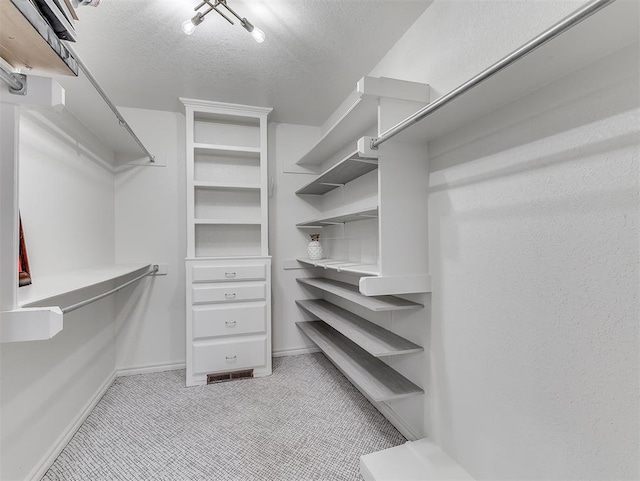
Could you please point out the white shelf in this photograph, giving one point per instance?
(369, 336)
(344, 266)
(54, 289)
(358, 114)
(39, 315)
(568, 52)
(227, 222)
(226, 185)
(201, 148)
(375, 379)
(362, 214)
(421, 460)
(350, 293)
(350, 168)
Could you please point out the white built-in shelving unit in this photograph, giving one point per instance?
(373, 227)
(228, 265)
(374, 202)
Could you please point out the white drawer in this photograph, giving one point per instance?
(228, 292)
(229, 356)
(229, 273)
(229, 320)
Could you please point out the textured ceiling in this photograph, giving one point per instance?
(314, 52)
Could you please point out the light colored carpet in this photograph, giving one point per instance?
(305, 422)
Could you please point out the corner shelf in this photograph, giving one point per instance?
(351, 293)
(350, 168)
(375, 379)
(369, 336)
(39, 315)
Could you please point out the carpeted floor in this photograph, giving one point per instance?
(305, 422)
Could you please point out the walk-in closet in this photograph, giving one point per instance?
(319, 240)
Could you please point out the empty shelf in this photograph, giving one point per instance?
(351, 293)
(227, 221)
(376, 380)
(58, 289)
(201, 148)
(370, 337)
(344, 266)
(369, 213)
(345, 171)
(226, 185)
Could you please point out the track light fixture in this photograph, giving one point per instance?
(190, 25)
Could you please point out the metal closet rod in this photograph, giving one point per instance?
(108, 101)
(80, 304)
(17, 84)
(11, 79)
(557, 29)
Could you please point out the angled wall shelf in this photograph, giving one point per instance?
(339, 265)
(41, 304)
(360, 214)
(353, 166)
(369, 336)
(375, 379)
(350, 293)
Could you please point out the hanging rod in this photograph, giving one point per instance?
(15, 81)
(111, 105)
(80, 304)
(549, 34)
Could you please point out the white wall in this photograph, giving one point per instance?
(66, 201)
(150, 226)
(287, 143)
(534, 255)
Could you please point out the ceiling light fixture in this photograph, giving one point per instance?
(190, 25)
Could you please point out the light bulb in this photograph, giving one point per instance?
(257, 34)
(189, 26)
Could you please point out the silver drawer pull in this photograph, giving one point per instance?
(230, 358)
(231, 295)
(229, 274)
(230, 323)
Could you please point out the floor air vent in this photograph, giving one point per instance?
(229, 376)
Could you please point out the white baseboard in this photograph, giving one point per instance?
(150, 368)
(54, 451)
(295, 352)
(400, 424)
